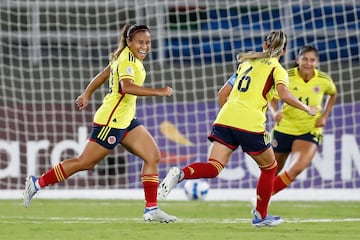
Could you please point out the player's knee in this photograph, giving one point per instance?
(152, 157)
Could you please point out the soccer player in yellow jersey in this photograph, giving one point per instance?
(241, 122)
(115, 122)
(295, 132)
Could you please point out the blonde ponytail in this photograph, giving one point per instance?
(276, 42)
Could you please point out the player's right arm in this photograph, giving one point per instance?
(83, 100)
(290, 99)
(225, 90)
(274, 110)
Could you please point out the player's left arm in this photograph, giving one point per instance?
(329, 103)
(128, 86)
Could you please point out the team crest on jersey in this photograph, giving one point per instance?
(316, 89)
(130, 70)
(111, 140)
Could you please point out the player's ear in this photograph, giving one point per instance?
(265, 46)
(317, 62)
(128, 42)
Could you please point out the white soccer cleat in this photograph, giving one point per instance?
(30, 190)
(158, 215)
(169, 182)
(268, 221)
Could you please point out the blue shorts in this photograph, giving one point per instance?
(252, 143)
(110, 137)
(282, 142)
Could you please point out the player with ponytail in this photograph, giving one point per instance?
(115, 122)
(241, 122)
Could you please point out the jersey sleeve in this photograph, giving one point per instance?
(332, 88)
(126, 69)
(281, 76)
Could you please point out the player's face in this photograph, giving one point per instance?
(307, 62)
(140, 44)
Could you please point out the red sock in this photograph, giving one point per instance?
(281, 181)
(265, 188)
(150, 183)
(54, 175)
(203, 170)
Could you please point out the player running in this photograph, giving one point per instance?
(241, 122)
(115, 122)
(295, 132)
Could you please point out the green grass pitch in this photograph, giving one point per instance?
(119, 219)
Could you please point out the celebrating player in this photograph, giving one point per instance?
(241, 120)
(115, 123)
(296, 132)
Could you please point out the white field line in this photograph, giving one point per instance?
(74, 220)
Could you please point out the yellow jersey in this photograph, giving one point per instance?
(118, 108)
(295, 121)
(254, 87)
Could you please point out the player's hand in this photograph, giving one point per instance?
(166, 91)
(320, 122)
(312, 110)
(82, 101)
(278, 116)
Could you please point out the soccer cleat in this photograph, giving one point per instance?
(268, 221)
(30, 190)
(169, 182)
(158, 215)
